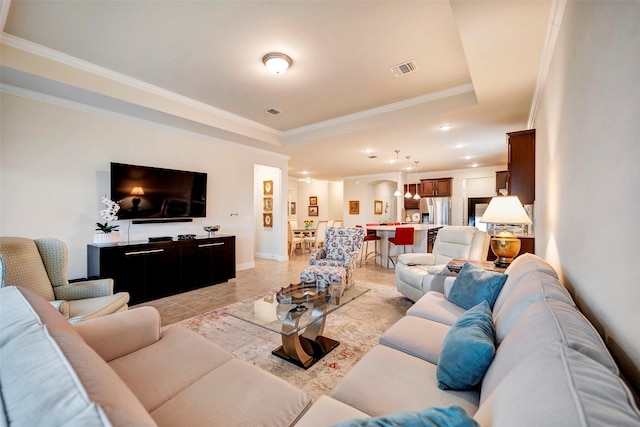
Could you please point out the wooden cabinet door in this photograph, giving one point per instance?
(443, 187)
(427, 188)
(522, 167)
(411, 203)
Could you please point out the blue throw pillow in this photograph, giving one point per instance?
(474, 284)
(467, 350)
(454, 416)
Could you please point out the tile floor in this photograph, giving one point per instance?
(267, 275)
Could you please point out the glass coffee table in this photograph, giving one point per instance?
(298, 313)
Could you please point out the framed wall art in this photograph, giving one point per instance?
(267, 220)
(292, 208)
(267, 204)
(313, 200)
(377, 207)
(354, 207)
(313, 211)
(267, 187)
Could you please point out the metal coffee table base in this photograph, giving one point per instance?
(303, 351)
(307, 348)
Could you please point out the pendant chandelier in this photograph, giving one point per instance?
(397, 192)
(407, 195)
(417, 195)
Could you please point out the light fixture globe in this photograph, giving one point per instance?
(276, 62)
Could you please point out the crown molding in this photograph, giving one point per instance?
(423, 99)
(553, 30)
(71, 61)
(110, 114)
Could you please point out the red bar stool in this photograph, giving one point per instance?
(371, 236)
(403, 237)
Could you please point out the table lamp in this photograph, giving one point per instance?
(136, 191)
(505, 210)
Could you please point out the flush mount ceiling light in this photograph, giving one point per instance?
(276, 63)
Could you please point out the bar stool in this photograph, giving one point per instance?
(371, 236)
(403, 237)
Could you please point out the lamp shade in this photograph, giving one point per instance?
(505, 210)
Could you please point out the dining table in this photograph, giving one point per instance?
(420, 238)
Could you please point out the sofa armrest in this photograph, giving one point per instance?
(417, 259)
(86, 289)
(62, 306)
(121, 333)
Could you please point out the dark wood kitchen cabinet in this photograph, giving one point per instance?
(440, 187)
(411, 203)
(522, 165)
(154, 270)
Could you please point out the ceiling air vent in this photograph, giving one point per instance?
(404, 68)
(273, 111)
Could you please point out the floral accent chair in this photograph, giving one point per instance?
(341, 249)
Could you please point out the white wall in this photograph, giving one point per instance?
(269, 240)
(55, 167)
(365, 190)
(587, 173)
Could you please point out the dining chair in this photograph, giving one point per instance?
(317, 241)
(294, 240)
(404, 238)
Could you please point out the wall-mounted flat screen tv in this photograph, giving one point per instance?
(154, 193)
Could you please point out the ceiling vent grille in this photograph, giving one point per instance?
(273, 111)
(404, 68)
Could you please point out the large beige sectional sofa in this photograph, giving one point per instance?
(122, 370)
(550, 368)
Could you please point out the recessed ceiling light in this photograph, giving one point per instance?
(368, 151)
(468, 157)
(475, 165)
(445, 128)
(459, 145)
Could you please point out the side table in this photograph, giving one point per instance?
(455, 265)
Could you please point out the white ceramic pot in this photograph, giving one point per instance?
(113, 237)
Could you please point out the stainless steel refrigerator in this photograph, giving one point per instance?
(438, 208)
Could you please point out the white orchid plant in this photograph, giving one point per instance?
(108, 214)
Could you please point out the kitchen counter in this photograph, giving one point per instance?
(420, 238)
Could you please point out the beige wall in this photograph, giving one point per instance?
(54, 167)
(587, 163)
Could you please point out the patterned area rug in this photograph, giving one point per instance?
(358, 326)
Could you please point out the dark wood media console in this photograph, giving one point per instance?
(154, 270)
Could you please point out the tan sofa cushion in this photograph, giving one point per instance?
(416, 336)
(386, 380)
(182, 357)
(236, 394)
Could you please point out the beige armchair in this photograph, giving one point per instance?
(419, 273)
(41, 266)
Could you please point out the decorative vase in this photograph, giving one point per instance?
(113, 237)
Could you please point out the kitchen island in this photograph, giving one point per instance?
(420, 238)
